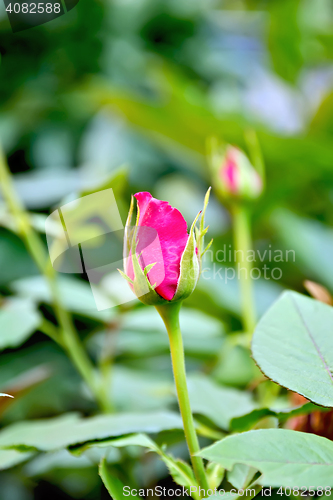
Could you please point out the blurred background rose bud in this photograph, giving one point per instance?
(233, 175)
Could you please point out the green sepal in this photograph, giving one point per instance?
(189, 267)
(148, 268)
(127, 237)
(126, 277)
(207, 247)
(111, 482)
(206, 200)
(202, 231)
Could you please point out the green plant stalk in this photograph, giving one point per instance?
(243, 243)
(69, 337)
(170, 315)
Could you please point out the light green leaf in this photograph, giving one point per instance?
(10, 458)
(234, 366)
(71, 429)
(132, 440)
(139, 390)
(220, 404)
(192, 322)
(284, 457)
(180, 470)
(19, 318)
(143, 333)
(76, 295)
(241, 475)
(215, 474)
(62, 460)
(111, 482)
(292, 346)
(226, 496)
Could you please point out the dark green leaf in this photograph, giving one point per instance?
(111, 482)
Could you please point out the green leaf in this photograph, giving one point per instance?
(111, 482)
(241, 475)
(179, 470)
(140, 390)
(284, 457)
(292, 347)
(219, 404)
(19, 318)
(10, 458)
(132, 440)
(143, 333)
(245, 422)
(76, 295)
(64, 460)
(215, 474)
(71, 429)
(234, 366)
(193, 323)
(116, 181)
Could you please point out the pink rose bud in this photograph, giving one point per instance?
(234, 176)
(161, 260)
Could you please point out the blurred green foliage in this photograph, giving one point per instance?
(142, 85)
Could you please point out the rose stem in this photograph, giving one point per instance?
(170, 315)
(68, 338)
(243, 243)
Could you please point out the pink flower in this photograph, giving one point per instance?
(229, 172)
(161, 260)
(234, 176)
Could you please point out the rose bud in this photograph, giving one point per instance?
(161, 260)
(234, 176)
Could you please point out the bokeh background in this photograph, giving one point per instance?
(125, 93)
